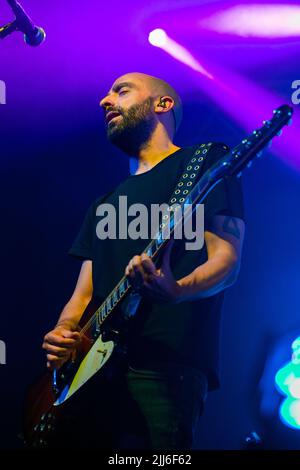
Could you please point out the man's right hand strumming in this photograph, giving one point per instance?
(60, 344)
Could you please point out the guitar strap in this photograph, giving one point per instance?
(190, 175)
(181, 192)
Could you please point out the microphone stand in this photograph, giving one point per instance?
(33, 35)
(8, 29)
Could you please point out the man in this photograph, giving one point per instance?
(173, 338)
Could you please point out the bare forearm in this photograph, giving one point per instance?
(209, 278)
(71, 314)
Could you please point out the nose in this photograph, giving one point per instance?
(107, 102)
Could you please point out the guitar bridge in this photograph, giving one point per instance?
(102, 351)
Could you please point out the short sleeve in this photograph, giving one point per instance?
(226, 198)
(82, 246)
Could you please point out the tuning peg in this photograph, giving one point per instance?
(279, 132)
(259, 154)
(290, 122)
(270, 144)
(239, 174)
(249, 164)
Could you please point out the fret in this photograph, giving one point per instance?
(108, 304)
(126, 283)
(103, 313)
(98, 320)
(122, 288)
(115, 297)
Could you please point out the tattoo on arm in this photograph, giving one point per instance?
(230, 225)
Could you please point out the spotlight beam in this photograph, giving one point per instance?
(246, 102)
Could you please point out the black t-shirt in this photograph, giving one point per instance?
(186, 333)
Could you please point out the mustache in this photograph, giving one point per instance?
(115, 110)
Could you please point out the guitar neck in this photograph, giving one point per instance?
(197, 194)
(232, 163)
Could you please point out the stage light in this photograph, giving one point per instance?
(290, 413)
(295, 388)
(256, 20)
(243, 99)
(158, 37)
(287, 381)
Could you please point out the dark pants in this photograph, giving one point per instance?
(140, 409)
(164, 410)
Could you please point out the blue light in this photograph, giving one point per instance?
(287, 381)
(289, 413)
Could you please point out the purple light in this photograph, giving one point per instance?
(272, 21)
(246, 102)
(159, 38)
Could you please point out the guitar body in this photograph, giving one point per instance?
(45, 402)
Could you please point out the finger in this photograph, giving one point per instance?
(55, 363)
(129, 269)
(60, 352)
(70, 334)
(136, 272)
(53, 359)
(58, 344)
(148, 265)
(58, 340)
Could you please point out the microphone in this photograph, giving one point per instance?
(33, 35)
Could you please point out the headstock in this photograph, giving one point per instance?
(234, 162)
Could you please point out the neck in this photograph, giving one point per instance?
(158, 147)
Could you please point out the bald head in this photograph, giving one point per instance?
(158, 88)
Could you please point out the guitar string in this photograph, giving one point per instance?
(94, 318)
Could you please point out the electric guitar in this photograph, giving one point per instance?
(102, 327)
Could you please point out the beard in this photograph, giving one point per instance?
(133, 131)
